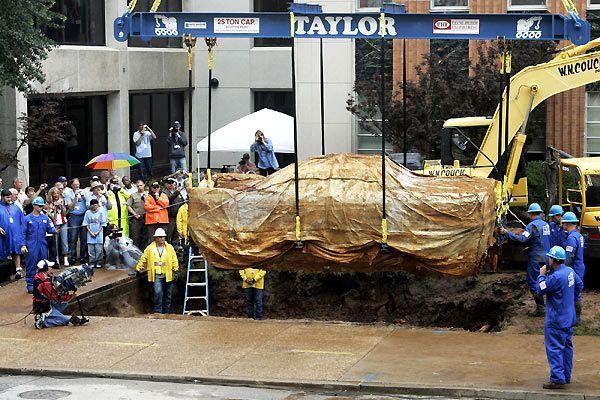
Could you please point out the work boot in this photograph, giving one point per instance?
(38, 322)
(553, 385)
(75, 320)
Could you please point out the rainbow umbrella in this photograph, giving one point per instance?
(112, 161)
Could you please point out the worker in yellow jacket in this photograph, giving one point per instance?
(253, 283)
(182, 222)
(160, 259)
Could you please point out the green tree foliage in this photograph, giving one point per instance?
(23, 45)
(444, 89)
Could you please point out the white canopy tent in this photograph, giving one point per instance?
(238, 135)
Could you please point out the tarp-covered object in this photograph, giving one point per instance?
(435, 225)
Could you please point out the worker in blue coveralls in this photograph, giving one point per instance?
(537, 234)
(11, 221)
(561, 288)
(574, 248)
(35, 227)
(558, 235)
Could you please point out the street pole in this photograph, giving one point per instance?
(210, 43)
(322, 100)
(190, 42)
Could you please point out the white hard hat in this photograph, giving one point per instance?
(160, 232)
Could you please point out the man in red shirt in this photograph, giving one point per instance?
(48, 304)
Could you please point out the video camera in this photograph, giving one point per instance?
(73, 278)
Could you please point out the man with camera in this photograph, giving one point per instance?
(143, 138)
(267, 162)
(177, 142)
(48, 304)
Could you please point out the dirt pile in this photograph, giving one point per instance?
(468, 303)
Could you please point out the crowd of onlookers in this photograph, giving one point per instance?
(81, 217)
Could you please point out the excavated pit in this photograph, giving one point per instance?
(469, 303)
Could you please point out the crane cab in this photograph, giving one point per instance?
(579, 192)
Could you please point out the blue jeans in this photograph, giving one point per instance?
(95, 252)
(63, 243)
(145, 167)
(254, 306)
(75, 234)
(162, 294)
(178, 163)
(56, 316)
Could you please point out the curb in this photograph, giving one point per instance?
(329, 387)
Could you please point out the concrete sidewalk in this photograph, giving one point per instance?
(372, 358)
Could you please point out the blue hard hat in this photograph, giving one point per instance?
(557, 252)
(555, 210)
(570, 217)
(38, 201)
(534, 208)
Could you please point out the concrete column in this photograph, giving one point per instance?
(13, 105)
(118, 102)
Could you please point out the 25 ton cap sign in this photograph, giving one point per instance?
(237, 25)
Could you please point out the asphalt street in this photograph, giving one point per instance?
(35, 387)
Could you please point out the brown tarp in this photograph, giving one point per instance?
(435, 225)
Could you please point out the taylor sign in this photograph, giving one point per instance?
(342, 25)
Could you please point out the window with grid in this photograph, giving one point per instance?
(534, 5)
(369, 5)
(593, 5)
(592, 126)
(83, 24)
(449, 5)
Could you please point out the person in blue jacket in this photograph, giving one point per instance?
(537, 235)
(561, 288)
(557, 232)
(35, 227)
(574, 247)
(11, 235)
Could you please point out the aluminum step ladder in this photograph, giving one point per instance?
(196, 286)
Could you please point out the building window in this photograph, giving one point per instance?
(593, 5)
(87, 138)
(158, 111)
(527, 5)
(277, 100)
(165, 6)
(369, 5)
(449, 5)
(272, 6)
(592, 126)
(83, 25)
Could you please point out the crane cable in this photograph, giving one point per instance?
(155, 6)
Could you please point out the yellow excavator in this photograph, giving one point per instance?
(573, 67)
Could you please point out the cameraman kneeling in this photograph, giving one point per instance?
(48, 304)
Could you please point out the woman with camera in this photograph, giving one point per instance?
(57, 212)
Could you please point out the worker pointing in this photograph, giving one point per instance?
(561, 285)
(558, 235)
(574, 248)
(537, 234)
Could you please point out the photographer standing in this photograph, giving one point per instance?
(267, 162)
(57, 211)
(75, 201)
(177, 142)
(143, 138)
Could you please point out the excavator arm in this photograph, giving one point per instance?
(570, 69)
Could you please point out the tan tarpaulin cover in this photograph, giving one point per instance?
(442, 225)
